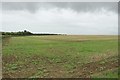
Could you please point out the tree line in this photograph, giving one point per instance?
(20, 33)
(24, 33)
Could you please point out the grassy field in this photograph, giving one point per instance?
(60, 56)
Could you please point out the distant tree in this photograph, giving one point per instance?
(25, 31)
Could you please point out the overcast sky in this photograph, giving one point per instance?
(63, 17)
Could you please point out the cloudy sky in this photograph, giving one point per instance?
(61, 17)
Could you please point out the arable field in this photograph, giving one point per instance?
(60, 56)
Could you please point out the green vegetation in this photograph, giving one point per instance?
(59, 56)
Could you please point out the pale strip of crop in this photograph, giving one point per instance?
(78, 37)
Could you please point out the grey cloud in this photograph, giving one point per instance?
(32, 7)
(89, 6)
(119, 7)
(76, 6)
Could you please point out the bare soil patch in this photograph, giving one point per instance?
(88, 69)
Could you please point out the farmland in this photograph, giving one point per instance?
(60, 56)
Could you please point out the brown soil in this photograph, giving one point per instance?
(95, 67)
(57, 71)
(9, 59)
